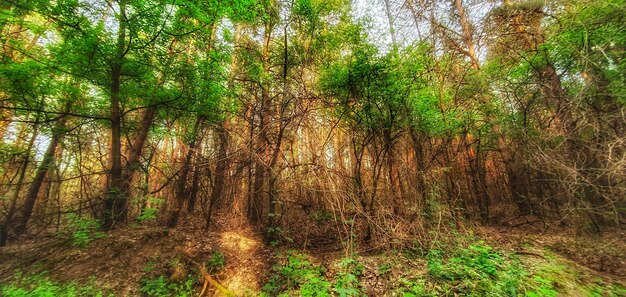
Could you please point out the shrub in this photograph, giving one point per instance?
(83, 230)
(216, 262)
(474, 271)
(162, 287)
(297, 273)
(347, 279)
(150, 212)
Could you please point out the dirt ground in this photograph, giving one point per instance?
(118, 261)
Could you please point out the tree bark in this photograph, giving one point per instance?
(44, 167)
(261, 165)
(6, 224)
(136, 149)
(181, 186)
(116, 203)
(223, 164)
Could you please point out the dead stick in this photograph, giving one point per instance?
(207, 277)
(226, 292)
(203, 288)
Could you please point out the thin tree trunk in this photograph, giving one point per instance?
(181, 186)
(261, 170)
(195, 186)
(4, 227)
(116, 203)
(136, 150)
(223, 137)
(223, 164)
(46, 164)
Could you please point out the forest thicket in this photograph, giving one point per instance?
(384, 123)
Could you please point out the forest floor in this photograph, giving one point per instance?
(156, 261)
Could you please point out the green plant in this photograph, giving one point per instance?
(278, 235)
(39, 285)
(83, 230)
(150, 211)
(347, 278)
(384, 268)
(321, 215)
(409, 288)
(475, 270)
(616, 290)
(555, 278)
(546, 289)
(216, 262)
(297, 273)
(149, 266)
(162, 287)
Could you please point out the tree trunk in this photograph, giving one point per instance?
(261, 171)
(181, 186)
(116, 203)
(4, 227)
(46, 164)
(136, 149)
(223, 160)
(223, 164)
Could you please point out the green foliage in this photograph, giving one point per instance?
(378, 95)
(601, 290)
(462, 265)
(150, 211)
(590, 39)
(10, 153)
(385, 268)
(297, 274)
(216, 262)
(162, 287)
(546, 288)
(476, 270)
(409, 288)
(82, 230)
(478, 258)
(556, 278)
(150, 266)
(39, 285)
(347, 278)
(321, 216)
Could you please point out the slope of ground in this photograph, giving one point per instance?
(119, 261)
(156, 261)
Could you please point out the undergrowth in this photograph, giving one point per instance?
(163, 287)
(181, 280)
(216, 262)
(462, 265)
(40, 285)
(297, 276)
(82, 230)
(567, 280)
(347, 281)
(151, 210)
(476, 270)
